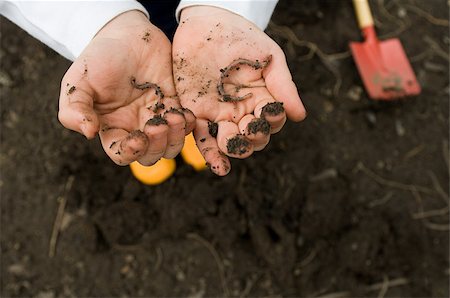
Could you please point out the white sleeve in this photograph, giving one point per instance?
(257, 11)
(65, 26)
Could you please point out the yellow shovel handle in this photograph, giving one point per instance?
(363, 13)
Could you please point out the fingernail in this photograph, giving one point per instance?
(85, 131)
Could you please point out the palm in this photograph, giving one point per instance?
(229, 72)
(119, 102)
(113, 89)
(204, 68)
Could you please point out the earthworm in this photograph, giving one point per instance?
(147, 85)
(225, 72)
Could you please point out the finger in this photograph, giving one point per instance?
(123, 147)
(256, 130)
(156, 130)
(76, 108)
(173, 103)
(279, 83)
(176, 133)
(273, 112)
(190, 120)
(231, 142)
(207, 144)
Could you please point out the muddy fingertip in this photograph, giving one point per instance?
(258, 125)
(136, 140)
(156, 121)
(272, 109)
(222, 167)
(238, 145)
(173, 111)
(213, 129)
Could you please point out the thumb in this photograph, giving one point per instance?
(279, 82)
(76, 108)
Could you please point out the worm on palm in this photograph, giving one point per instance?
(147, 85)
(225, 72)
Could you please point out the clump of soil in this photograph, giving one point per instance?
(238, 145)
(273, 109)
(213, 129)
(159, 106)
(174, 111)
(259, 125)
(157, 120)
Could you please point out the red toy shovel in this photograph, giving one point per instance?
(383, 65)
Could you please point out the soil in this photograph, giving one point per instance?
(157, 120)
(213, 129)
(336, 205)
(259, 125)
(159, 106)
(238, 145)
(273, 109)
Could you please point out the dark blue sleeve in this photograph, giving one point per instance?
(162, 15)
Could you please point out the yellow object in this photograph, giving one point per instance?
(155, 174)
(192, 155)
(363, 13)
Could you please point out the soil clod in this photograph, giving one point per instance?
(158, 106)
(71, 90)
(238, 145)
(146, 36)
(272, 109)
(157, 120)
(259, 125)
(213, 128)
(174, 111)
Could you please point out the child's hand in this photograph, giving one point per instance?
(116, 87)
(229, 72)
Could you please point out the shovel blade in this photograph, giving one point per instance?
(384, 69)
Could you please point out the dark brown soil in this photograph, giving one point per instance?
(272, 109)
(352, 202)
(259, 125)
(238, 145)
(213, 128)
(157, 120)
(159, 106)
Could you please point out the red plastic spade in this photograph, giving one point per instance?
(383, 65)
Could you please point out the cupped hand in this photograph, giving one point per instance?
(235, 80)
(121, 87)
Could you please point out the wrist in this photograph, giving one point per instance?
(202, 10)
(125, 19)
(257, 12)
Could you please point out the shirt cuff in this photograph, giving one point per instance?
(257, 11)
(67, 27)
